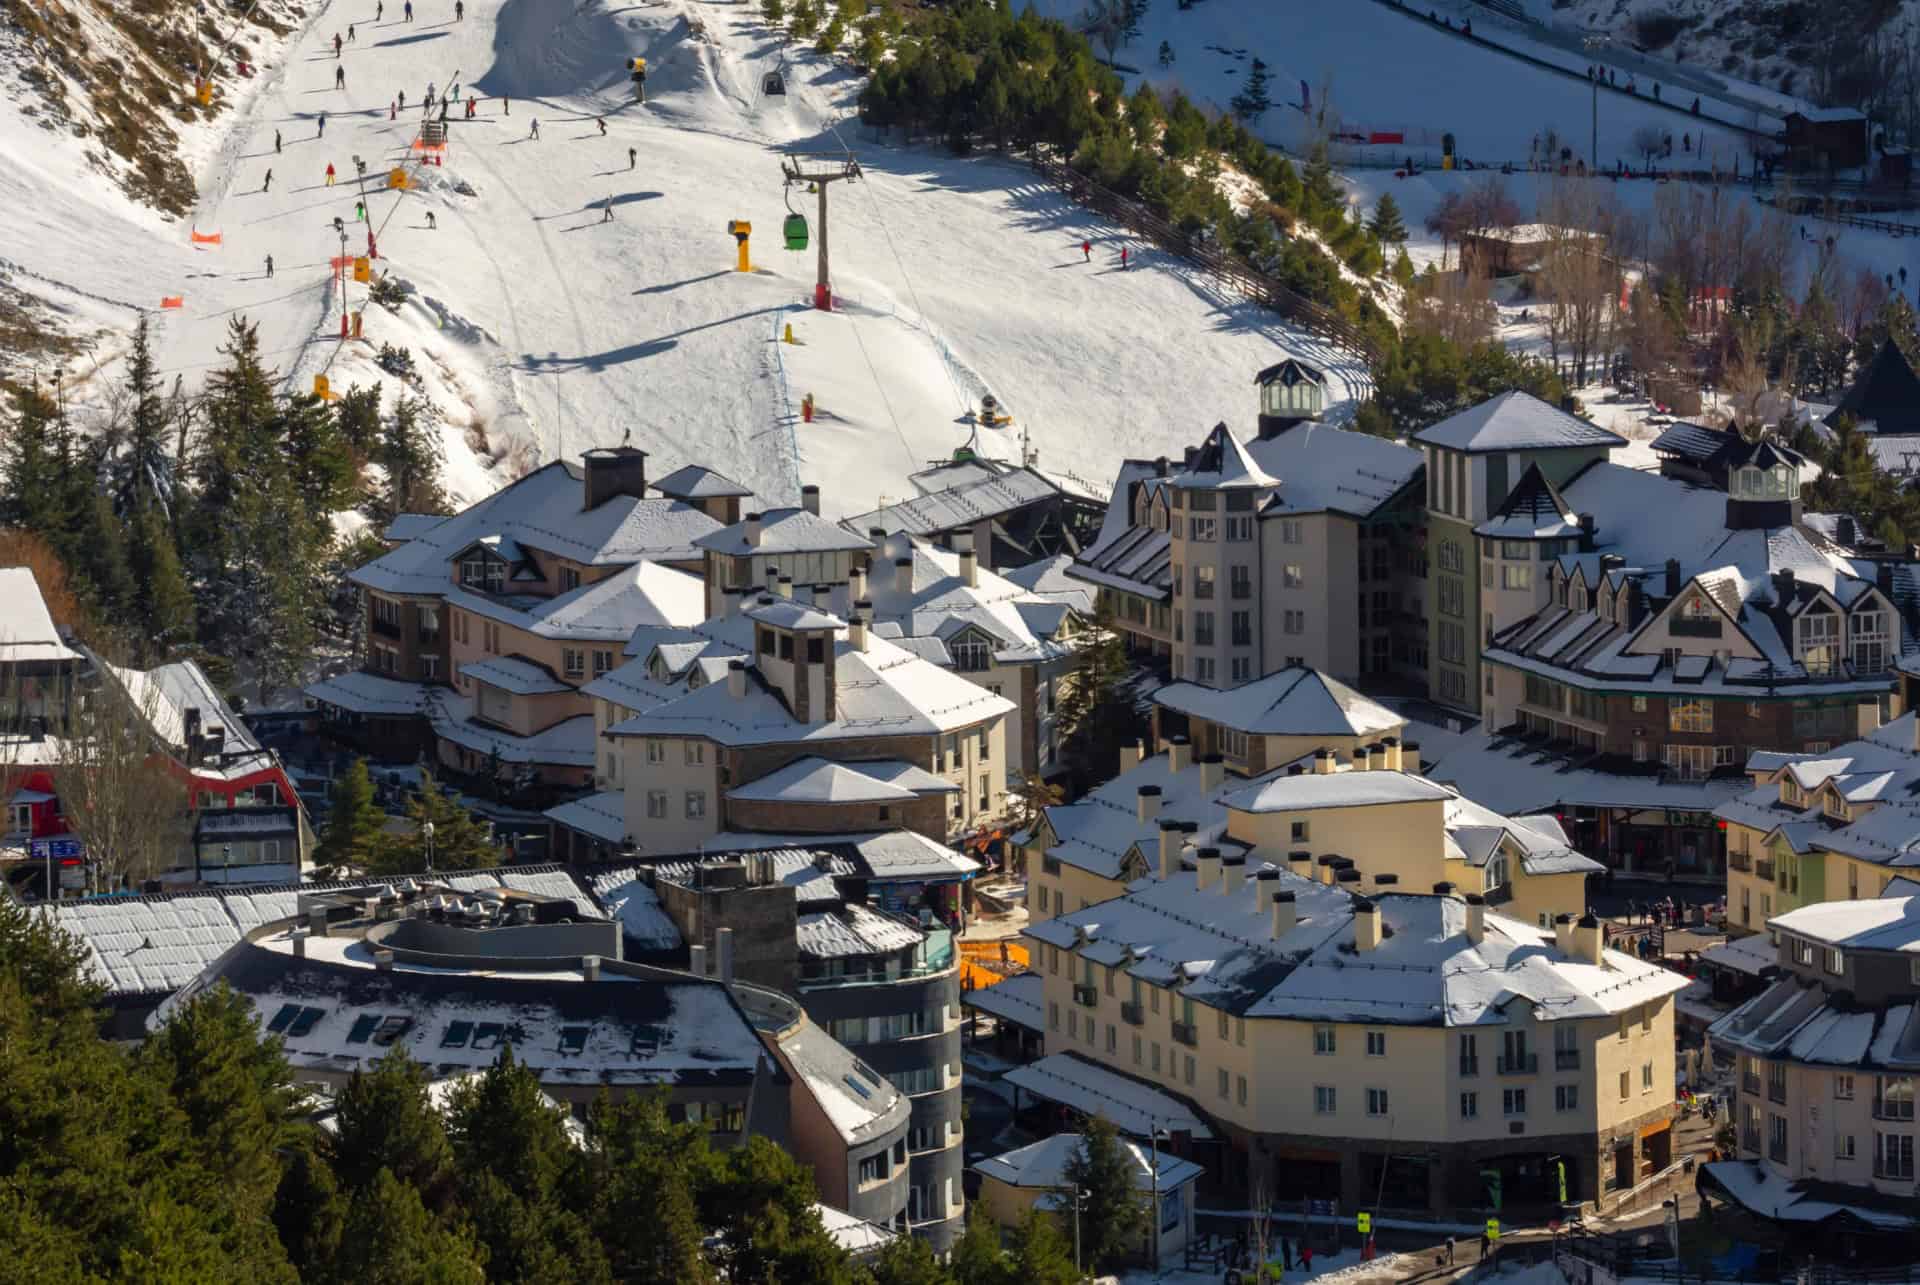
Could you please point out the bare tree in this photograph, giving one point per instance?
(1579, 277)
(114, 784)
(1457, 306)
(1649, 140)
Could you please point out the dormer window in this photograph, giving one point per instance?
(1791, 794)
(1819, 633)
(1837, 808)
(1577, 597)
(482, 573)
(1868, 640)
(971, 653)
(1780, 482)
(1697, 617)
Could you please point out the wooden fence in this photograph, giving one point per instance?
(1234, 273)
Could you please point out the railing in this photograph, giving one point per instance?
(1086, 997)
(1682, 627)
(1777, 1091)
(1469, 1066)
(1741, 861)
(1566, 1059)
(1186, 1033)
(1245, 278)
(1132, 1014)
(1885, 1110)
(1763, 868)
(1750, 1140)
(1749, 1083)
(385, 628)
(1525, 1064)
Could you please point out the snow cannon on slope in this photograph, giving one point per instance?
(637, 72)
(740, 230)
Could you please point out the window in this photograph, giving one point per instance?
(1625, 1091)
(1203, 530)
(656, 805)
(1469, 1106)
(1867, 641)
(1453, 597)
(1240, 581)
(1240, 1089)
(1513, 1101)
(1242, 628)
(1893, 1097)
(1843, 1146)
(1291, 531)
(1691, 762)
(1293, 622)
(656, 751)
(1566, 1097)
(1892, 1155)
(1226, 1083)
(1512, 577)
(1189, 1068)
(1450, 558)
(1689, 716)
(1376, 1043)
(1113, 1039)
(1154, 1048)
(1299, 830)
(696, 804)
(1376, 1102)
(1646, 1076)
(484, 573)
(1293, 576)
(1469, 1055)
(569, 579)
(1203, 578)
(1843, 1088)
(1777, 1138)
(1053, 1015)
(971, 654)
(1324, 1099)
(1240, 529)
(1323, 1041)
(602, 662)
(1819, 632)
(1203, 629)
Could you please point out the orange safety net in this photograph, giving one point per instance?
(173, 301)
(205, 238)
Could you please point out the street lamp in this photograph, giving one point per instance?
(427, 832)
(1078, 1196)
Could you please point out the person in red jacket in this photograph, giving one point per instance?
(329, 173)
(1086, 252)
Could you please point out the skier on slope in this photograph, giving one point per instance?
(392, 112)
(1123, 258)
(336, 44)
(339, 77)
(632, 156)
(409, 10)
(433, 224)
(1086, 252)
(459, 10)
(606, 209)
(403, 98)
(269, 265)
(602, 122)
(379, 9)
(429, 95)
(469, 106)
(323, 126)
(329, 173)
(276, 142)
(349, 33)
(268, 185)
(359, 211)
(536, 128)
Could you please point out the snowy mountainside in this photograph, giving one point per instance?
(539, 326)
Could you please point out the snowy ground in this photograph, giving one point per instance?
(1344, 1266)
(540, 330)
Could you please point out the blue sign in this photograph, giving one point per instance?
(58, 849)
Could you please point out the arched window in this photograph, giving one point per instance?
(1496, 871)
(1780, 482)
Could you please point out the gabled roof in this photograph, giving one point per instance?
(1295, 701)
(1222, 463)
(817, 780)
(643, 595)
(782, 531)
(1887, 393)
(788, 613)
(1044, 1164)
(1312, 790)
(26, 627)
(1514, 421)
(1533, 510)
(694, 482)
(515, 674)
(937, 603)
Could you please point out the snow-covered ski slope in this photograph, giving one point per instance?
(1386, 68)
(541, 329)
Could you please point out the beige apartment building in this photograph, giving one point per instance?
(1392, 1051)
(1827, 1059)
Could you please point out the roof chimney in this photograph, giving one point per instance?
(1563, 934)
(1366, 926)
(1323, 762)
(1177, 750)
(1390, 748)
(737, 679)
(1131, 755)
(903, 575)
(1169, 848)
(857, 582)
(383, 960)
(753, 530)
(1410, 757)
(1213, 770)
(1329, 865)
(1146, 803)
(1443, 889)
(723, 953)
(823, 597)
(1301, 857)
(1207, 868)
(590, 968)
(1784, 584)
(970, 568)
(1587, 940)
(810, 499)
(1883, 577)
(1476, 918)
(785, 587)
(614, 470)
(1286, 914)
(697, 960)
(858, 625)
(1231, 873)
(1363, 758)
(299, 938)
(1586, 531)
(1673, 577)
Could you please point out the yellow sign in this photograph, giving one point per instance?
(1363, 1223)
(1493, 1229)
(363, 269)
(321, 388)
(397, 178)
(204, 92)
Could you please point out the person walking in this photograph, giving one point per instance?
(1123, 258)
(323, 126)
(1449, 1251)
(506, 105)
(379, 9)
(429, 95)
(269, 265)
(1086, 252)
(534, 133)
(469, 106)
(329, 173)
(633, 157)
(339, 77)
(409, 10)
(433, 224)
(459, 10)
(392, 112)
(1306, 1258)
(349, 33)
(268, 185)
(336, 44)
(606, 210)
(359, 211)
(601, 121)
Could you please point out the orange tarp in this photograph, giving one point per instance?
(206, 238)
(173, 301)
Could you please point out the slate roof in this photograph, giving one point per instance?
(695, 482)
(1221, 463)
(956, 506)
(1886, 396)
(1533, 510)
(1514, 421)
(782, 531)
(1295, 701)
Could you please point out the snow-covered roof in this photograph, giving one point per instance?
(1097, 831)
(1799, 1020)
(787, 613)
(817, 780)
(1222, 463)
(1880, 771)
(1295, 701)
(163, 695)
(1752, 954)
(1019, 999)
(856, 1100)
(1514, 421)
(633, 904)
(966, 500)
(809, 873)
(1516, 776)
(882, 691)
(1311, 790)
(1533, 510)
(1769, 1194)
(1885, 397)
(642, 596)
(359, 692)
(602, 816)
(782, 531)
(857, 1236)
(1044, 1164)
(853, 930)
(1323, 468)
(696, 482)
(514, 674)
(27, 632)
(411, 526)
(543, 511)
(1050, 578)
(1133, 1107)
(876, 855)
(1217, 944)
(936, 603)
(1137, 559)
(1880, 923)
(567, 743)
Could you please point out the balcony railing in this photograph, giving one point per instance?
(1566, 1059)
(1186, 1033)
(1740, 861)
(1763, 868)
(1683, 627)
(1525, 1064)
(1131, 1013)
(1884, 1109)
(1750, 1140)
(385, 628)
(1777, 1091)
(1749, 1083)
(1086, 996)
(1469, 1066)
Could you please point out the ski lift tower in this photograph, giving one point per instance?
(818, 170)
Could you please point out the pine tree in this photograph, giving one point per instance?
(409, 451)
(308, 1210)
(163, 600)
(1041, 1253)
(459, 841)
(977, 1257)
(1094, 715)
(1387, 225)
(774, 11)
(33, 488)
(144, 472)
(387, 1124)
(354, 821)
(1112, 1214)
(500, 1121)
(97, 553)
(646, 1169)
(908, 1260)
(390, 1239)
(1254, 99)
